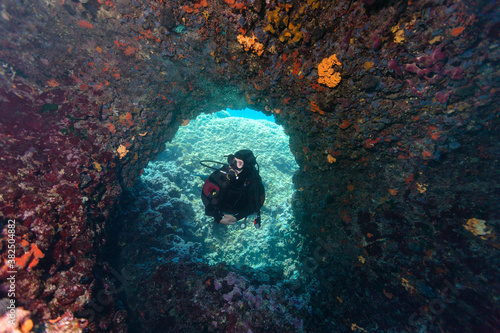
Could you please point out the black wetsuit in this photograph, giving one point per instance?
(239, 197)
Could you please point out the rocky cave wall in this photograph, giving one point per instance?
(396, 137)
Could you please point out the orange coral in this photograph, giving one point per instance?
(27, 326)
(296, 67)
(37, 253)
(122, 151)
(31, 257)
(52, 83)
(130, 50)
(251, 44)
(18, 321)
(426, 154)
(344, 124)
(295, 33)
(327, 75)
(112, 128)
(23, 260)
(280, 20)
(315, 108)
(126, 117)
(85, 24)
(457, 31)
(188, 9)
(370, 143)
(235, 5)
(202, 3)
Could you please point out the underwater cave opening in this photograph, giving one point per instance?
(249, 114)
(160, 227)
(169, 213)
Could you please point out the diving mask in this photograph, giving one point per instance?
(237, 164)
(235, 167)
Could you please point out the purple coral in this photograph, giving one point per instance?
(229, 296)
(231, 278)
(413, 68)
(443, 97)
(455, 73)
(377, 42)
(393, 65)
(429, 60)
(434, 79)
(217, 284)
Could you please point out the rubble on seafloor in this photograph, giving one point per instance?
(396, 139)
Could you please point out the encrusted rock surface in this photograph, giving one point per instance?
(396, 160)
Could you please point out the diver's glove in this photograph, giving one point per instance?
(256, 222)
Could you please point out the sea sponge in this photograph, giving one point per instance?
(286, 26)
(251, 44)
(326, 73)
(122, 151)
(477, 227)
(27, 326)
(295, 32)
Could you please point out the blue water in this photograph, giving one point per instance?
(250, 114)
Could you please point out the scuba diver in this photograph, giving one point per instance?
(234, 191)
